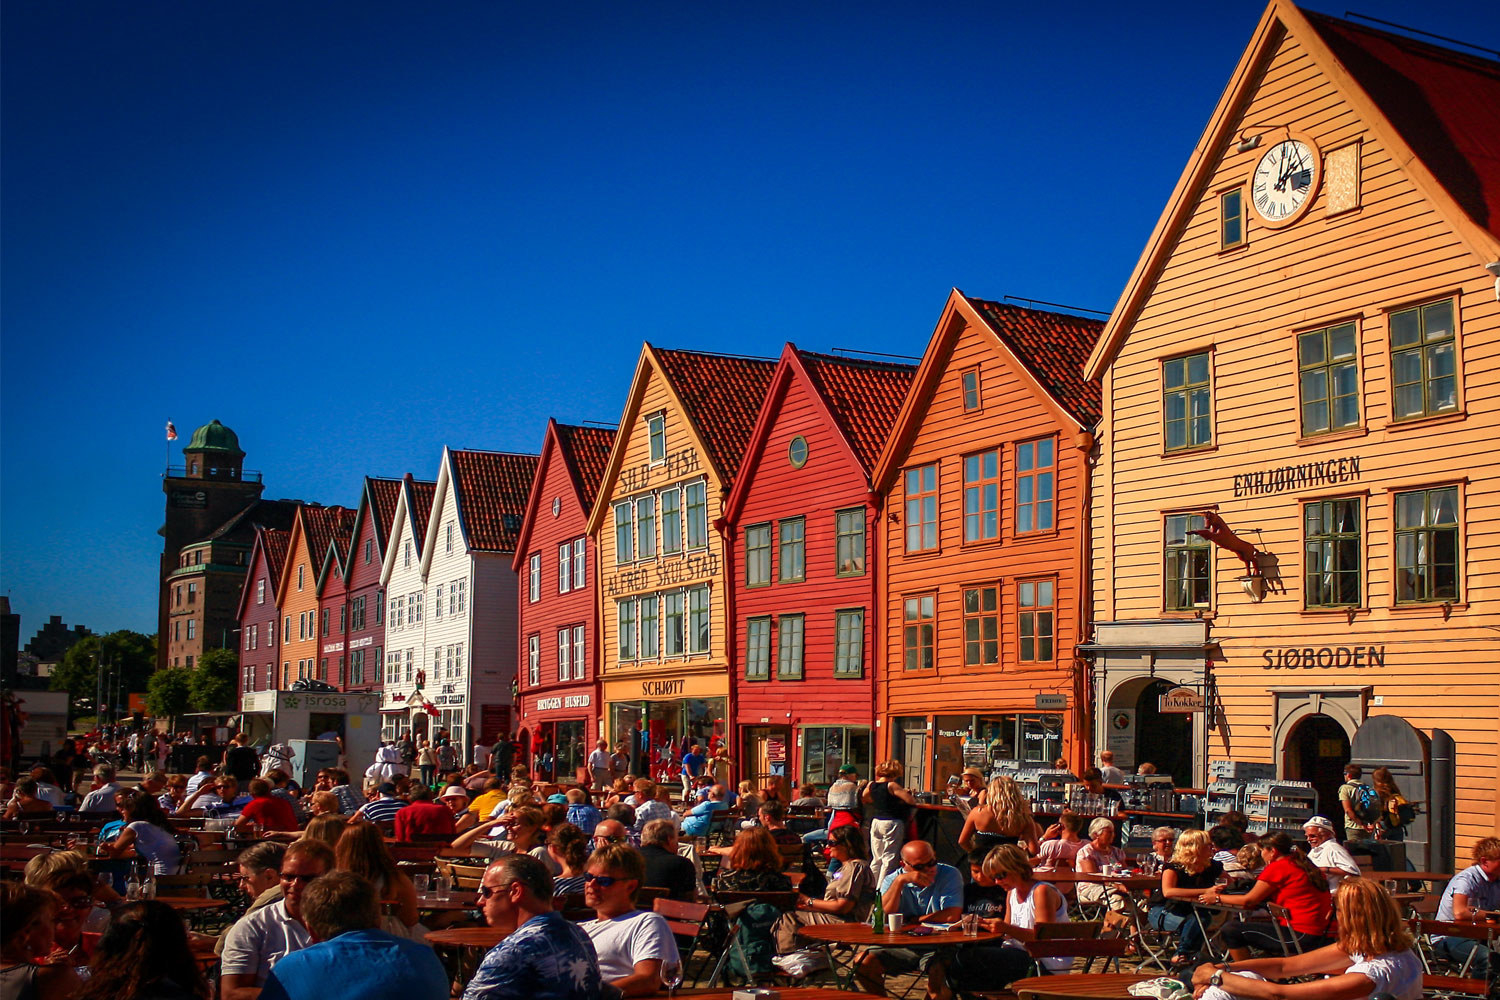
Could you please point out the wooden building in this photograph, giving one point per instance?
(557, 676)
(404, 705)
(984, 486)
(663, 569)
(805, 606)
(333, 608)
(313, 530)
(259, 614)
(364, 597)
(1295, 493)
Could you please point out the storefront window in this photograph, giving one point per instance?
(825, 749)
(668, 725)
(909, 745)
(986, 741)
(560, 749)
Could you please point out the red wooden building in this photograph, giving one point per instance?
(364, 599)
(258, 614)
(559, 704)
(333, 612)
(798, 526)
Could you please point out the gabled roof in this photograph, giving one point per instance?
(1436, 111)
(721, 395)
(861, 399)
(377, 506)
(276, 514)
(490, 491)
(419, 494)
(1046, 348)
(328, 532)
(585, 453)
(409, 519)
(270, 545)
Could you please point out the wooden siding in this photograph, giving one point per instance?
(333, 646)
(296, 601)
(364, 581)
(446, 565)
(402, 579)
(1012, 411)
(830, 481)
(260, 617)
(1247, 305)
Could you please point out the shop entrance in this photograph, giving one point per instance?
(1316, 751)
(766, 752)
(1163, 738)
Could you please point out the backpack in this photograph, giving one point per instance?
(1366, 803)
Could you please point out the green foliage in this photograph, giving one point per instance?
(214, 681)
(168, 692)
(130, 654)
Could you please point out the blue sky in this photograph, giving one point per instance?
(358, 231)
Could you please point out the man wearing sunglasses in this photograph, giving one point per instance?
(542, 955)
(259, 940)
(631, 944)
(259, 878)
(610, 831)
(923, 892)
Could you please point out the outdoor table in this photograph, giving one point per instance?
(1209, 940)
(1084, 985)
(482, 938)
(192, 902)
(787, 993)
(1406, 876)
(857, 934)
(433, 905)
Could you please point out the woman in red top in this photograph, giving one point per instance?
(1289, 880)
(272, 813)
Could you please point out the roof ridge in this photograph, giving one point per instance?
(1432, 48)
(715, 354)
(840, 359)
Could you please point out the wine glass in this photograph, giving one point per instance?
(671, 976)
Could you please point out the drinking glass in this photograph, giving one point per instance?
(970, 922)
(671, 976)
(444, 887)
(419, 882)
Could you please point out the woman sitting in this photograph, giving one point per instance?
(27, 934)
(26, 805)
(1373, 953)
(1004, 817)
(1289, 880)
(327, 827)
(361, 850)
(144, 955)
(1061, 843)
(569, 848)
(1163, 839)
(521, 829)
(148, 832)
(850, 888)
(754, 865)
(1092, 858)
(1191, 870)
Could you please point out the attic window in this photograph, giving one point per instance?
(512, 522)
(970, 381)
(1231, 218)
(1341, 180)
(656, 432)
(796, 452)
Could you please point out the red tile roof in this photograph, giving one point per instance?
(1054, 347)
(722, 395)
(274, 543)
(586, 453)
(422, 492)
(491, 489)
(1445, 104)
(864, 397)
(383, 495)
(325, 525)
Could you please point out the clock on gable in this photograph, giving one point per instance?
(1284, 181)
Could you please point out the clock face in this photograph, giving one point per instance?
(1284, 181)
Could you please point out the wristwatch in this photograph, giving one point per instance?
(1217, 979)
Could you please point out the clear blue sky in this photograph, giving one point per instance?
(358, 231)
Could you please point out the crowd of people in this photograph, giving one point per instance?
(330, 913)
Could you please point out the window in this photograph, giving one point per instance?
(437, 603)
(327, 614)
(676, 623)
(1331, 530)
(1035, 620)
(918, 630)
(408, 664)
(796, 452)
(379, 661)
(437, 665)
(398, 613)
(697, 515)
(406, 555)
(534, 575)
(565, 567)
(789, 648)
(1187, 564)
(921, 508)
(650, 627)
(625, 627)
(564, 653)
(981, 626)
(1422, 361)
(849, 545)
(671, 520)
(580, 563)
(357, 614)
(461, 593)
(323, 669)
(254, 637)
(656, 433)
(757, 649)
(1427, 545)
(416, 607)
(1232, 218)
(187, 661)
(270, 634)
(758, 555)
(448, 537)
(791, 551)
(826, 749)
(357, 667)
(1034, 486)
(645, 527)
(260, 591)
(624, 534)
(982, 496)
(699, 607)
(369, 554)
(533, 660)
(969, 380)
(379, 606)
(578, 652)
(343, 619)
(1186, 403)
(192, 628)
(287, 629)
(849, 643)
(301, 572)
(193, 589)
(177, 631)
(1328, 379)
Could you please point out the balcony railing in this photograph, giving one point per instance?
(181, 472)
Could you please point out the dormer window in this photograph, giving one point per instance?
(656, 432)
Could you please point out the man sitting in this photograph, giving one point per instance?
(102, 798)
(649, 806)
(262, 939)
(383, 807)
(1328, 854)
(272, 813)
(541, 955)
(665, 868)
(350, 957)
(1472, 895)
(631, 944)
(700, 817)
(923, 892)
(424, 815)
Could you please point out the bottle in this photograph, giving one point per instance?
(148, 885)
(133, 886)
(877, 918)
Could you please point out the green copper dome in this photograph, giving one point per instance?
(214, 436)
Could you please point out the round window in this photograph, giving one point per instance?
(796, 452)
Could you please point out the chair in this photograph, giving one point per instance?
(191, 884)
(647, 895)
(1428, 929)
(1449, 986)
(792, 856)
(754, 906)
(572, 907)
(686, 921)
(721, 827)
(1071, 930)
(1111, 950)
(1281, 921)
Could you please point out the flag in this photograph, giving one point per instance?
(171, 431)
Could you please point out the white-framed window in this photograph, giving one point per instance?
(758, 649)
(645, 527)
(699, 607)
(406, 555)
(448, 538)
(451, 674)
(671, 519)
(192, 628)
(533, 660)
(410, 657)
(564, 567)
(578, 652)
(398, 613)
(271, 634)
(697, 514)
(656, 433)
(416, 600)
(580, 563)
(357, 667)
(377, 661)
(437, 664)
(260, 591)
(437, 603)
(379, 607)
(789, 633)
(564, 653)
(462, 588)
(287, 629)
(369, 554)
(675, 619)
(301, 574)
(849, 643)
(650, 626)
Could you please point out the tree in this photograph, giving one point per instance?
(126, 660)
(214, 681)
(167, 693)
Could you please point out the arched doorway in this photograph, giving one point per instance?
(1163, 738)
(1316, 751)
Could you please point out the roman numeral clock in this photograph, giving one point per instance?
(1284, 181)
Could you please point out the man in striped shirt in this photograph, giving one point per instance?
(384, 807)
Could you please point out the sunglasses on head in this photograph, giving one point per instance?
(603, 881)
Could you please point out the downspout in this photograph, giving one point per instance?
(731, 648)
(879, 690)
(1083, 724)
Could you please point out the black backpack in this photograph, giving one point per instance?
(241, 762)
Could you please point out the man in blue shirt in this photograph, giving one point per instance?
(700, 817)
(923, 892)
(350, 959)
(1472, 894)
(542, 956)
(692, 766)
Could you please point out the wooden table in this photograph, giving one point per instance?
(1086, 985)
(1406, 876)
(483, 938)
(431, 904)
(862, 935)
(1134, 883)
(192, 902)
(787, 993)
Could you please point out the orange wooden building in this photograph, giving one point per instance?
(1296, 496)
(985, 484)
(313, 532)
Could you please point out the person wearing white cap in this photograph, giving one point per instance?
(1328, 854)
(457, 800)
